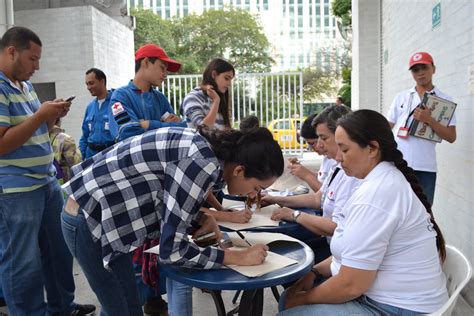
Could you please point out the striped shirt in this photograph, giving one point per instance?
(196, 106)
(29, 166)
(149, 186)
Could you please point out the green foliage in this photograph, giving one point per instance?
(317, 83)
(150, 28)
(342, 9)
(345, 91)
(195, 39)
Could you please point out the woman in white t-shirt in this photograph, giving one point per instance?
(335, 190)
(387, 249)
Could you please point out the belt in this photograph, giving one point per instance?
(72, 208)
(99, 147)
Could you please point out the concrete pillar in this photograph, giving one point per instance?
(366, 56)
(6, 15)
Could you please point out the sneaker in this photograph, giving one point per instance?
(155, 306)
(83, 309)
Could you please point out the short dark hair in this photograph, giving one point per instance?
(19, 37)
(249, 122)
(330, 115)
(138, 63)
(307, 129)
(99, 74)
(340, 99)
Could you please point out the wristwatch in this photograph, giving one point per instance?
(296, 214)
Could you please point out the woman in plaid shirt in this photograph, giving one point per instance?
(151, 186)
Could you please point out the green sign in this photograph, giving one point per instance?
(436, 15)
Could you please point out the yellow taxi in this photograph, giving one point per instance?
(287, 132)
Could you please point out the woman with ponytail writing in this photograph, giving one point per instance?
(387, 248)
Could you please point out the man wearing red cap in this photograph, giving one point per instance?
(135, 109)
(419, 153)
(138, 106)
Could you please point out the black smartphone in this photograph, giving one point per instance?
(72, 97)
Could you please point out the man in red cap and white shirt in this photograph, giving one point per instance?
(419, 153)
(139, 107)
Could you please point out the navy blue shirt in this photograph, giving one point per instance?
(129, 105)
(95, 127)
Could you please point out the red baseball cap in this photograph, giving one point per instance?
(155, 51)
(420, 58)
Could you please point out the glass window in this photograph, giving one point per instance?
(326, 21)
(326, 10)
(282, 124)
(265, 4)
(247, 4)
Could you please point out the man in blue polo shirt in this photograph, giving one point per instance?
(95, 127)
(139, 106)
(33, 254)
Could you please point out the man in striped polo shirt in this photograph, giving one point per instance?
(33, 254)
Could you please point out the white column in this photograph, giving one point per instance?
(6, 15)
(366, 56)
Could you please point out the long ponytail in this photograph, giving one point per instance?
(364, 126)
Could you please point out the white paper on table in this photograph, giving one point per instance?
(259, 218)
(279, 193)
(258, 238)
(272, 262)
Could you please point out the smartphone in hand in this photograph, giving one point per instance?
(72, 97)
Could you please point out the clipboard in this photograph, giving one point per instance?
(442, 111)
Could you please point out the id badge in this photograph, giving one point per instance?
(403, 132)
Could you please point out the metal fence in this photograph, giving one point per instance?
(269, 96)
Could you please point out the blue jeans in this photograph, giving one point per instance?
(360, 306)
(180, 298)
(33, 253)
(427, 182)
(115, 289)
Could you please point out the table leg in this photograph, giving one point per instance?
(251, 303)
(276, 295)
(216, 296)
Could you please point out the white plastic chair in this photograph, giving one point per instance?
(458, 272)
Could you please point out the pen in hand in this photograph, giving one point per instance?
(243, 238)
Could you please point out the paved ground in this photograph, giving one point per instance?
(203, 305)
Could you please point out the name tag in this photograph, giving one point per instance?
(403, 132)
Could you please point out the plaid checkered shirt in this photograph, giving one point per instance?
(150, 186)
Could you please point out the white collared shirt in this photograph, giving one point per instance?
(419, 153)
(384, 227)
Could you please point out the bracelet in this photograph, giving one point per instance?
(318, 276)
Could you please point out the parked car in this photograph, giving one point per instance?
(287, 132)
